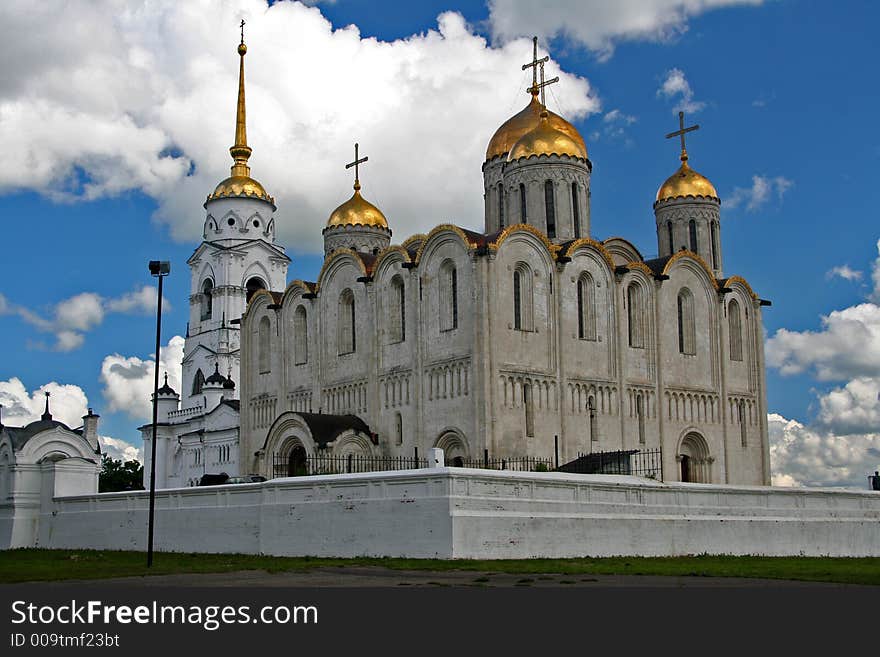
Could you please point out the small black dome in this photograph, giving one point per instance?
(166, 389)
(229, 384)
(216, 378)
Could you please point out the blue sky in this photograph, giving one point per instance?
(784, 93)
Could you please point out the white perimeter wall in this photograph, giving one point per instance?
(466, 513)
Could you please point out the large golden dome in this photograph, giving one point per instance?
(686, 182)
(547, 139)
(240, 186)
(357, 211)
(528, 119)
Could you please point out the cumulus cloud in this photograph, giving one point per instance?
(128, 380)
(763, 190)
(676, 87)
(614, 126)
(803, 456)
(67, 403)
(120, 450)
(845, 272)
(71, 318)
(599, 24)
(110, 97)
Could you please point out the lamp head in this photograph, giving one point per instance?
(160, 267)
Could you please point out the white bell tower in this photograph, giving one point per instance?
(237, 257)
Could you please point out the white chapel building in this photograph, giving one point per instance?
(529, 335)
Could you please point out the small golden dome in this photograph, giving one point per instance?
(240, 186)
(686, 182)
(529, 118)
(547, 139)
(357, 211)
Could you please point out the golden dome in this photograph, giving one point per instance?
(528, 119)
(357, 211)
(547, 139)
(686, 182)
(240, 186)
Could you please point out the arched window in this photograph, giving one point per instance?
(530, 410)
(635, 316)
(252, 286)
(586, 298)
(500, 205)
(692, 232)
(198, 382)
(734, 327)
(669, 234)
(345, 323)
(523, 217)
(448, 302)
(640, 414)
(264, 340)
(207, 299)
(741, 412)
(398, 429)
(575, 210)
(550, 207)
(686, 328)
(713, 228)
(300, 336)
(396, 311)
(523, 299)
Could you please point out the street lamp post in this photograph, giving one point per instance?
(159, 269)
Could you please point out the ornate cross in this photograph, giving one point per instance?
(242, 30)
(534, 66)
(540, 86)
(681, 133)
(355, 164)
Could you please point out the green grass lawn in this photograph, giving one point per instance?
(45, 565)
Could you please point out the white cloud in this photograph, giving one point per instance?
(67, 403)
(599, 24)
(109, 97)
(120, 450)
(675, 87)
(128, 380)
(74, 316)
(763, 190)
(845, 272)
(804, 456)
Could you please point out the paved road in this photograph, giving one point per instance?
(375, 577)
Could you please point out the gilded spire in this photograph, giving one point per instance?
(240, 151)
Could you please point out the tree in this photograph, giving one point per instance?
(116, 475)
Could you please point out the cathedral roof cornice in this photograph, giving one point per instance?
(495, 244)
(733, 280)
(690, 255)
(570, 247)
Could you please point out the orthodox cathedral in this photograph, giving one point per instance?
(526, 337)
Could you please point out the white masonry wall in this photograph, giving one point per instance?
(464, 513)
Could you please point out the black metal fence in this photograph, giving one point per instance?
(519, 464)
(348, 463)
(638, 462)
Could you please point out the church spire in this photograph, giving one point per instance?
(46, 414)
(240, 150)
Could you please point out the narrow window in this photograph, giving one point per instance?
(346, 323)
(300, 336)
(741, 411)
(500, 205)
(713, 228)
(692, 230)
(398, 429)
(735, 329)
(550, 208)
(640, 413)
(401, 305)
(530, 414)
(522, 204)
(252, 286)
(198, 382)
(586, 308)
(686, 328)
(453, 279)
(448, 296)
(634, 316)
(207, 299)
(397, 311)
(264, 340)
(671, 240)
(517, 300)
(575, 210)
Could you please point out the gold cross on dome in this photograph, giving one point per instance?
(242, 30)
(681, 133)
(534, 66)
(357, 161)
